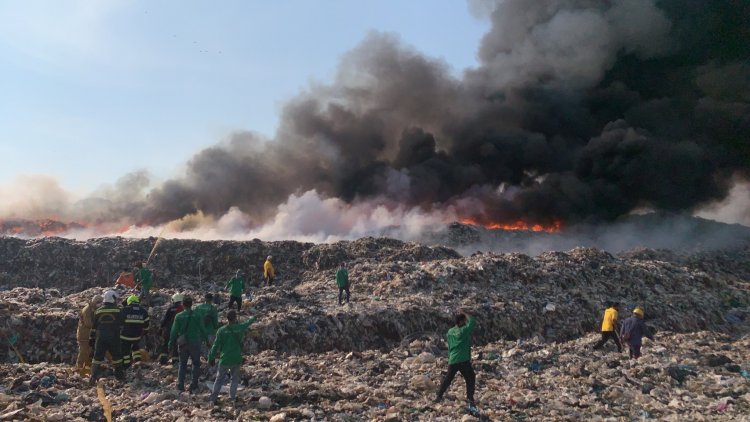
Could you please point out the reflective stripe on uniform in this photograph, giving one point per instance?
(135, 321)
(130, 338)
(99, 362)
(107, 310)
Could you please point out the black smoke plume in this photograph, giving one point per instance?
(579, 111)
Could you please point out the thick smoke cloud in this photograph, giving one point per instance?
(579, 111)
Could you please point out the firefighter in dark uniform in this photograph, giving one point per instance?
(105, 336)
(166, 329)
(135, 326)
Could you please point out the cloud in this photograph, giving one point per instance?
(59, 32)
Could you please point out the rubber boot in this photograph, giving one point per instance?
(95, 373)
(119, 373)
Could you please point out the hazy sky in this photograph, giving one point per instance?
(94, 89)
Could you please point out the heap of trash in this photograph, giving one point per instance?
(696, 376)
(381, 356)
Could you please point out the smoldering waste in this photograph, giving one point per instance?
(382, 356)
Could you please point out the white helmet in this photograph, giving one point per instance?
(269, 257)
(110, 296)
(177, 297)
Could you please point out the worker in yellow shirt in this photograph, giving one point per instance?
(268, 271)
(609, 327)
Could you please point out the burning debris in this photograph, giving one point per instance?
(581, 112)
(36, 228)
(552, 140)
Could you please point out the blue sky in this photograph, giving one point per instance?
(92, 90)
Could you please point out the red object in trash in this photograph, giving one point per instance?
(127, 279)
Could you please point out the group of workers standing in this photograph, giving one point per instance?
(109, 328)
(187, 332)
(104, 327)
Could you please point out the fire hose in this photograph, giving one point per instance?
(103, 400)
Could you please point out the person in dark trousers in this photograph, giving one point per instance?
(609, 327)
(188, 333)
(228, 345)
(236, 286)
(105, 336)
(135, 325)
(459, 358)
(210, 317)
(165, 352)
(342, 281)
(633, 331)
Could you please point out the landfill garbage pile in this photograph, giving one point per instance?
(398, 290)
(697, 376)
(72, 266)
(679, 233)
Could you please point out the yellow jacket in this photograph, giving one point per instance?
(85, 322)
(268, 269)
(610, 318)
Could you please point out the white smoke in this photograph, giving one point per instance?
(33, 197)
(308, 217)
(734, 209)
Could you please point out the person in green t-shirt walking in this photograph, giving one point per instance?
(459, 358)
(188, 326)
(342, 280)
(229, 341)
(237, 287)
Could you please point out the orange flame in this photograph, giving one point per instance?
(518, 225)
(51, 227)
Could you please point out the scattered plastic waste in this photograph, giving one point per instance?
(387, 356)
(681, 372)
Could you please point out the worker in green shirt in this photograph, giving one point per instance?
(342, 281)
(210, 317)
(459, 358)
(144, 277)
(229, 341)
(188, 333)
(237, 286)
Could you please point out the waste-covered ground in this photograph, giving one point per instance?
(696, 376)
(381, 356)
